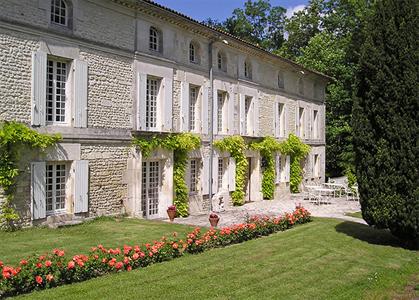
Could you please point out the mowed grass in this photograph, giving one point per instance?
(357, 214)
(325, 259)
(110, 232)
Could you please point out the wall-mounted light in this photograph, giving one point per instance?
(302, 72)
(225, 42)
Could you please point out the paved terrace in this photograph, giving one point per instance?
(336, 208)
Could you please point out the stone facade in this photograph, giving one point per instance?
(110, 62)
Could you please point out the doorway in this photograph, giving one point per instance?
(150, 189)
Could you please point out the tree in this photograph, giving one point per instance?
(386, 117)
(320, 38)
(258, 23)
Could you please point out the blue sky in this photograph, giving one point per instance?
(220, 9)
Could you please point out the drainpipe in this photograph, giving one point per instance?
(211, 122)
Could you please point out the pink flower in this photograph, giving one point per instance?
(135, 256)
(71, 265)
(129, 268)
(49, 277)
(119, 265)
(48, 263)
(38, 279)
(23, 262)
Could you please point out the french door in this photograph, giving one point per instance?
(150, 188)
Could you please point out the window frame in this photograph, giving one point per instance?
(63, 194)
(193, 108)
(316, 124)
(220, 173)
(221, 61)
(281, 120)
(248, 120)
(247, 69)
(193, 176)
(53, 9)
(155, 40)
(221, 111)
(301, 122)
(148, 112)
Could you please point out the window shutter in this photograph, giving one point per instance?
(286, 112)
(38, 190)
(81, 186)
(204, 110)
(256, 117)
(231, 174)
(167, 105)
(215, 173)
(39, 87)
(205, 175)
(184, 120)
(215, 111)
(242, 113)
(80, 93)
(276, 121)
(287, 169)
(230, 126)
(277, 168)
(141, 99)
(307, 117)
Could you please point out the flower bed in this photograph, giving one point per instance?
(54, 269)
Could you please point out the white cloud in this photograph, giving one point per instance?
(293, 9)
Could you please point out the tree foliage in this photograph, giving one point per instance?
(258, 22)
(386, 120)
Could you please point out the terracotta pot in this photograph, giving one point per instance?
(171, 214)
(214, 221)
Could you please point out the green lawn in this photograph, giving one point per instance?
(79, 239)
(357, 214)
(326, 259)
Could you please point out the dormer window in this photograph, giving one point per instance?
(221, 61)
(194, 52)
(280, 80)
(247, 69)
(59, 12)
(155, 41)
(301, 86)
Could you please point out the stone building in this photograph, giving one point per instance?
(99, 72)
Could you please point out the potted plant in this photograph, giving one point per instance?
(171, 212)
(214, 218)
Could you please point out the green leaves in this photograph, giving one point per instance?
(14, 137)
(180, 144)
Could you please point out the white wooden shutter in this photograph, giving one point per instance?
(184, 119)
(256, 117)
(80, 93)
(276, 121)
(215, 173)
(230, 118)
(38, 183)
(242, 112)
(39, 87)
(81, 186)
(141, 101)
(287, 169)
(277, 168)
(167, 105)
(286, 119)
(205, 175)
(204, 110)
(215, 111)
(231, 174)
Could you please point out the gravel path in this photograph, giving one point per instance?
(335, 209)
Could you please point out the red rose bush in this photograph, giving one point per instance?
(56, 268)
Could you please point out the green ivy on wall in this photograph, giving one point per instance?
(180, 144)
(14, 137)
(297, 151)
(236, 146)
(267, 148)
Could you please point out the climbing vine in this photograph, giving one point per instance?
(267, 148)
(180, 144)
(236, 146)
(297, 151)
(15, 137)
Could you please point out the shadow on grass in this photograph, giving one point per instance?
(368, 234)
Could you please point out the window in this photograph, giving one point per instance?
(221, 61)
(280, 80)
(247, 116)
(220, 173)
(56, 177)
(220, 111)
(301, 86)
(155, 40)
(315, 124)
(193, 52)
(150, 188)
(301, 123)
(151, 102)
(316, 167)
(193, 97)
(193, 176)
(247, 69)
(56, 91)
(281, 120)
(59, 12)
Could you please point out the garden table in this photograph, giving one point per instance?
(324, 194)
(336, 187)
